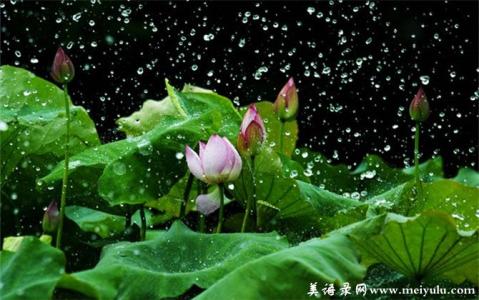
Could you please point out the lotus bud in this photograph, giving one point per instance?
(286, 104)
(217, 162)
(419, 107)
(63, 70)
(252, 132)
(51, 218)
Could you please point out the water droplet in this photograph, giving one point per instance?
(139, 71)
(76, 17)
(424, 79)
(3, 126)
(458, 216)
(259, 72)
(208, 37)
(241, 43)
(119, 168)
(368, 174)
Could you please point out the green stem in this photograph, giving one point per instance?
(281, 136)
(222, 204)
(417, 173)
(202, 223)
(186, 196)
(143, 223)
(65, 168)
(201, 188)
(252, 199)
(127, 219)
(416, 153)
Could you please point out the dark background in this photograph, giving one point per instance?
(356, 64)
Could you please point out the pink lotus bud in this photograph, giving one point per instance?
(252, 132)
(51, 218)
(217, 162)
(419, 107)
(286, 104)
(63, 70)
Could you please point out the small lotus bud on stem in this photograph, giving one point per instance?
(286, 104)
(63, 70)
(419, 112)
(286, 107)
(419, 107)
(252, 132)
(51, 218)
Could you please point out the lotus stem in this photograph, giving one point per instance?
(202, 223)
(65, 169)
(201, 188)
(127, 219)
(222, 204)
(416, 154)
(143, 223)
(186, 196)
(251, 200)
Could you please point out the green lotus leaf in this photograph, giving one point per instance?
(169, 264)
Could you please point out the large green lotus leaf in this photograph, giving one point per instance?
(95, 221)
(31, 272)
(370, 178)
(458, 200)
(273, 129)
(169, 264)
(34, 113)
(287, 274)
(423, 247)
(468, 177)
(144, 168)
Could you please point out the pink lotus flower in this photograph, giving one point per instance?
(63, 70)
(286, 104)
(419, 107)
(218, 161)
(252, 132)
(51, 218)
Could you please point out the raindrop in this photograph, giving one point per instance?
(119, 168)
(3, 126)
(208, 37)
(34, 60)
(139, 71)
(259, 72)
(76, 17)
(241, 43)
(424, 79)
(368, 174)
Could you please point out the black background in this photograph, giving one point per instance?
(375, 52)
